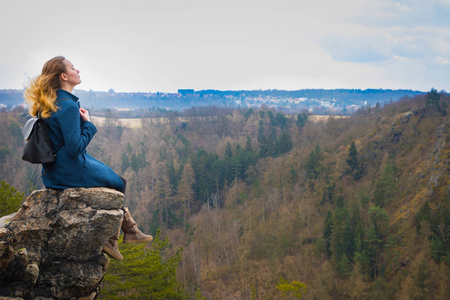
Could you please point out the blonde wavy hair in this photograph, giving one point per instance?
(41, 93)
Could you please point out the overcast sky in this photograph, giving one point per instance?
(165, 45)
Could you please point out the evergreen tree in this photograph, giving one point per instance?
(125, 162)
(208, 170)
(281, 120)
(271, 116)
(262, 114)
(228, 151)
(263, 148)
(185, 190)
(138, 161)
(341, 237)
(313, 165)
(144, 274)
(301, 119)
(248, 145)
(174, 175)
(163, 194)
(344, 267)
(236, 166)
(438, 221)
(356, 228)
(340, 199)
(432, 98)
(385, 188)
(327, 232)
(215, 167)
(284, 143)
(424, 215)
(272, 144)
(328, 191)
(354, 164)
(268, 146)
(201, 178)
(376, 236)
(261, 132)
(10, 199)
(249, 156)
(248, 113)
(16, 134)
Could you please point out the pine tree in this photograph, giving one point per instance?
(199, 165)
(340, 236)
(10, 199)
(236, 167)
(344, 267)
(144, 274)
(313, 165)
(301, 119)
(163, 193)
(432, 98)
(327, 232)
(185, 190)
(385, 188)
(248, 157)
(354, 164)
(268, 146)
(228, 151)
(248, 113)
(281, 120)
(261, 132)
(125, 162)
(356, 228)
(227, 164)
(284, 143)
(271, 144)
(376, 237)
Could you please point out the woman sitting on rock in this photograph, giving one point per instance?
(70, 131)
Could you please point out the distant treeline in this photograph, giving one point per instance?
(176, 101)
(323, 94)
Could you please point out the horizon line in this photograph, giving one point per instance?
(240, 90)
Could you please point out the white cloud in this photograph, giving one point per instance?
(150, 45)
(362, 48)
(442, 60)
(403, 7)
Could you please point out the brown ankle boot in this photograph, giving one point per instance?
(131, 233)
(112, 248)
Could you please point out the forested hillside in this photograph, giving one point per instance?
(270, 206)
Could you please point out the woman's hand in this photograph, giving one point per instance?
(84, 114)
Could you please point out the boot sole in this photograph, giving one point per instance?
(110, 253)
(137, 241)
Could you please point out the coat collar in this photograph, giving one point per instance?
(65, 94)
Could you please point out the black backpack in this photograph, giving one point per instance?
(38, 147)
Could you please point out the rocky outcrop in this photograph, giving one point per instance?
(52, 247)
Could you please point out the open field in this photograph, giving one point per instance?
(137, 122)
(323, 118)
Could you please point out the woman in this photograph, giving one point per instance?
(70, 131)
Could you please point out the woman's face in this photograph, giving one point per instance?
(72, 75)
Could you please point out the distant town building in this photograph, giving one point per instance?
(185, 92)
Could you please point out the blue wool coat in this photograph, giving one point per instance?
(73, 166)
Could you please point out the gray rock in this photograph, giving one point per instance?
(52, 247)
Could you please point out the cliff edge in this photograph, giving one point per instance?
(52, 247)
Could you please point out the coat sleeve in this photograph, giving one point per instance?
(76, 135)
